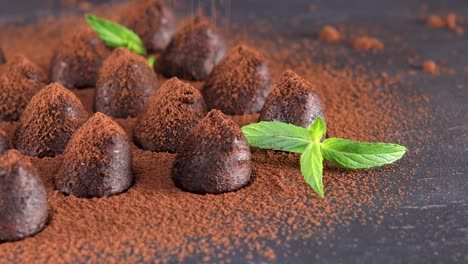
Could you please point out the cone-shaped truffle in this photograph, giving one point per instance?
(60, 113)
(152, 20)
(193, 51)
(2, 56)
(169, 116)
(20, 80)
(23, 198)
(293, 100)
(239, 84)
(125, 83)
(4, 144)
(215, 157)
(77, 60)
(97, 161)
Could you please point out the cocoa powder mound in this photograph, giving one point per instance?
(367, 43)
(329, 34)
(156, 221)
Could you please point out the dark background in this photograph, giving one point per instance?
(433, 227)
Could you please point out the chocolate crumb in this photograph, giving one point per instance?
(193, 51)
(215, 157)
(293, 100)
(78, 59)
(97, 161)
(168, 117)
(329, 34)
(60, 113)
(23, 198)
(240, 83)
(152, 20)
(19, 81)
(125, 83)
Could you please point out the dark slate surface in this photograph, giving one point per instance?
(433, 226)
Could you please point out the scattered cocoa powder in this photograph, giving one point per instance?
(155, 219)
(367, 43)
(329, 34)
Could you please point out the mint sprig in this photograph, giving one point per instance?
(115, 35)
(345, 153)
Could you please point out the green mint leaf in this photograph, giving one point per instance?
(360, 155)
(278, 136)
(115, 35)
(151, 59)
(317, 129)
(312, 167)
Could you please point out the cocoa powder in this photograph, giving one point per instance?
(155, 219)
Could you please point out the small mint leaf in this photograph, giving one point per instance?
(277, 135)
(312, 167)
(115, 35)
(360, 155)
(317, 129)
(151, 59)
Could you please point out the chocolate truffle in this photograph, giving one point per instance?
(20, 80)
(77, 60)
(23, 198)
(2, 57)
(4, 144)
(152, 20)
(125, 83)
(169, 116)
(97, 161)
(239, 84)
(193, 51)
(215, 157)
(293, 100)
(60, 113)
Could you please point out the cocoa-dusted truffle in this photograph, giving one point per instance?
(193, 51)
(152, 20)
(4, 144)
(125, 83)
(20, 79)
(293, 100)
(48, 122)
(169, 116)
(2, 56)
(215, 157)
(78, 58)
(239, 84)
(23, 198)
(97, 161)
